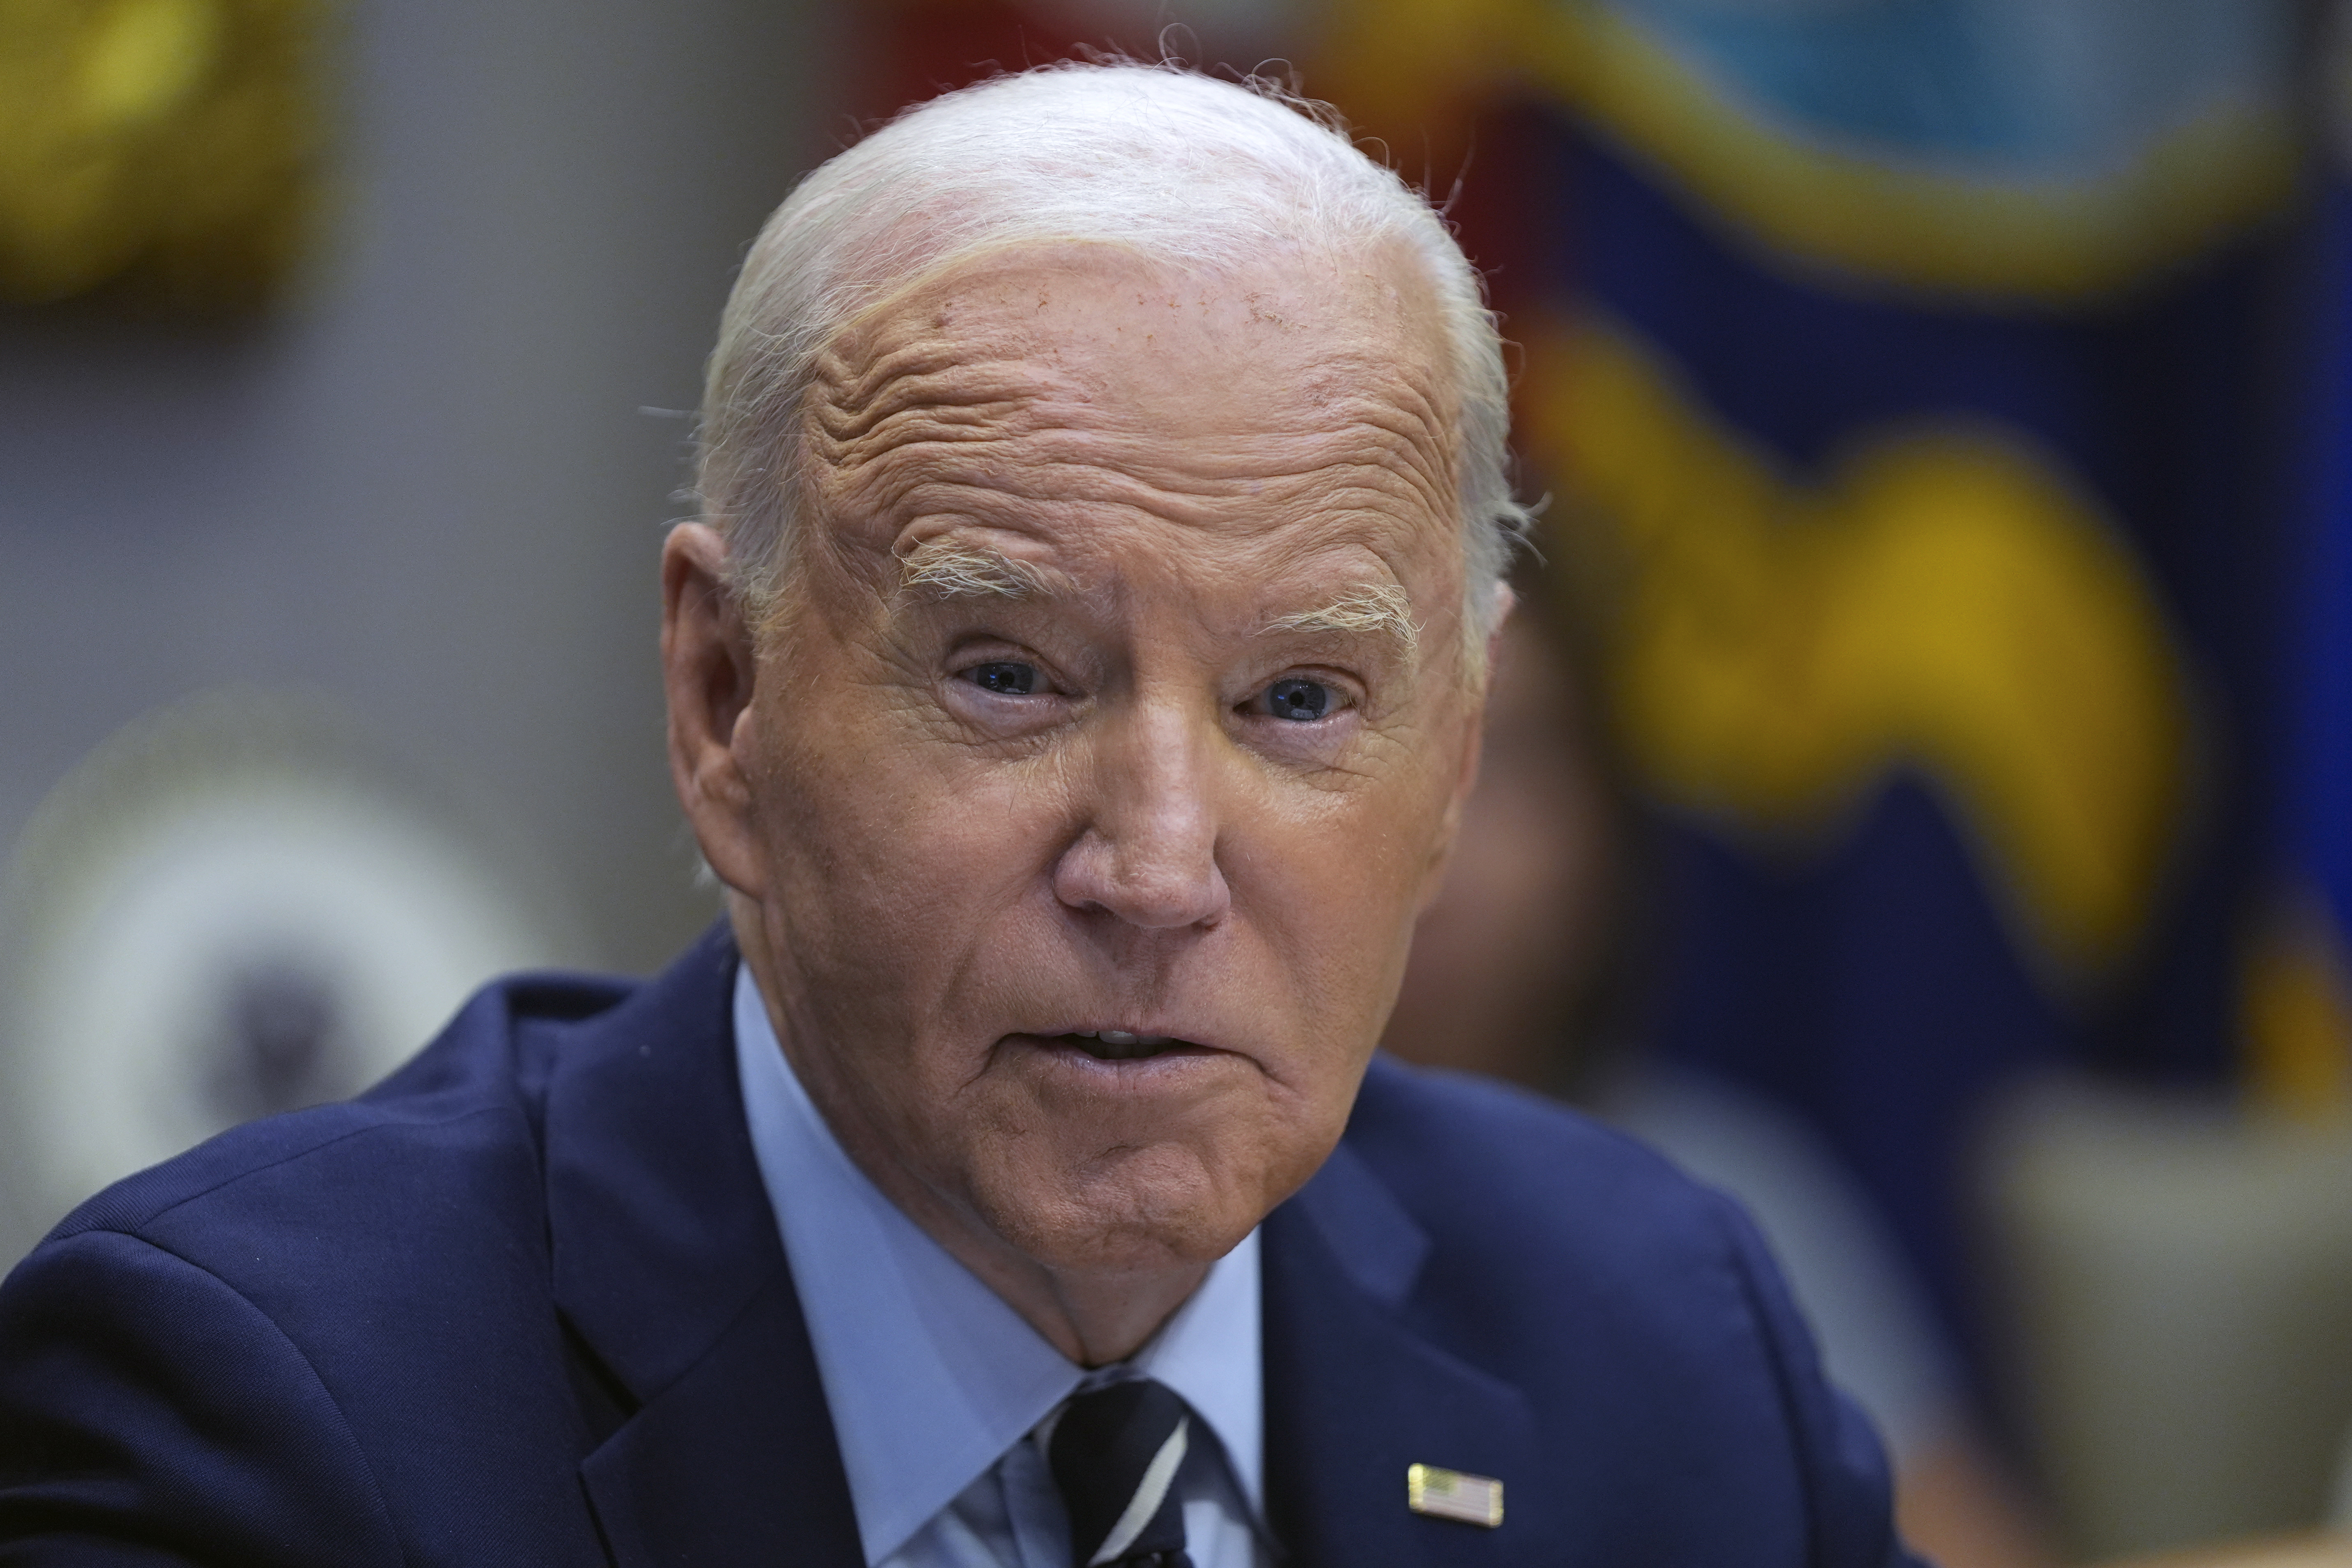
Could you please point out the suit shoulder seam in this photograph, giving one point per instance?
(133, 1228)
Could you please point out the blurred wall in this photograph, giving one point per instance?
(427, 492)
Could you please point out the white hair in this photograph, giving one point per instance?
(1183, 168)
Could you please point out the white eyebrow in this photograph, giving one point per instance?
(1366, 607)
(954, 570)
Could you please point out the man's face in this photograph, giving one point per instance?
(1117, 691)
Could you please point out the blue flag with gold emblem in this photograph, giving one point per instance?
(1903, 370)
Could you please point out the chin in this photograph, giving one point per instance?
(1132, 1211)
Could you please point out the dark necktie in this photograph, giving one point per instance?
(1114, 1454)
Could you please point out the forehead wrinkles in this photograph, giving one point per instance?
(1369, 435)
(1405, 428)
(1008, 392)
(891, 385)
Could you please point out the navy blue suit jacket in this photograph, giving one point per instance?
(525, 1304)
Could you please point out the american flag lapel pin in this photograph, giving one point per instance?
(1453, 1494)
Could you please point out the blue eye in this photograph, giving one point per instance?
(1301, 701)
(1008, 678)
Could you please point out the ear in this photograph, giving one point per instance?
(709, 663)
(1474, 734)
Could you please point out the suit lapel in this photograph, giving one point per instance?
(735, 1462)
(669, 1271)
(1354, 1395)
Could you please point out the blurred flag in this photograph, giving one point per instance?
(2298, 1011)
(1901, 366)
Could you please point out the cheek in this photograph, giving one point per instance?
(1334, 885)
(905, 869)
(911, 840)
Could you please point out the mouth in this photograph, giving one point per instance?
(1117, 1045)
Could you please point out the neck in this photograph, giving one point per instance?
(1093, 1317)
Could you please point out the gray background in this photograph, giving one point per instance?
(425, 493)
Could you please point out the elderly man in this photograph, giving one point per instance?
(1073, 680)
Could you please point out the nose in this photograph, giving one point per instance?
(1147, 853)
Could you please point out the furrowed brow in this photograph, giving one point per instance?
(949, 568)
(1380, 607)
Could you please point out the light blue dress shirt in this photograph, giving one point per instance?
(937, 1388)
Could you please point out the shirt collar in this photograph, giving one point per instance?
(928, 1375)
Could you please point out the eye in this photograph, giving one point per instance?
(1298, 699)
(1004, 676)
